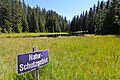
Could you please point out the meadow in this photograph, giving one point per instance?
(24, 35)
(71, 58)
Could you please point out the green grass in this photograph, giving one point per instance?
(22, 35)
(71, 58)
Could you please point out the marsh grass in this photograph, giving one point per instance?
(71, 58)
(25, 35)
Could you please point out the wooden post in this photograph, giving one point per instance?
(36, 72)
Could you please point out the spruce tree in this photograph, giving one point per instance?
(117, 16)
(73, 24)
(29, 18)
(41, 23)
(35, 21)
(65, 24)
(97, 19)
(85, 21)
(90, 22)
(25, 27)
(41, 19)
(8, 18)
(5, 16)
(17, 16)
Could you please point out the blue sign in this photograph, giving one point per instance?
(31, 61)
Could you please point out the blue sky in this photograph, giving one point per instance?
(67, 8)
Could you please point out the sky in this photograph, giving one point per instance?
(67, 8)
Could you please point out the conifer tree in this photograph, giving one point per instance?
(29, 18)
(35, 21)
(17, 16)
(8, 18)
(90, 22)
(25, 27)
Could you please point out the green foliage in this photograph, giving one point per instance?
(71, 58)
(35, 22)
(0, 29)
(25, 27)
(101, 19)
(4, 30)
(16, 16)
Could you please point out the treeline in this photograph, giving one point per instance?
(17, 17)
(101, 19)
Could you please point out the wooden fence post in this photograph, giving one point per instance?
(36, 72)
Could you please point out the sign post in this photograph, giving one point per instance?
(36, 72)
(32, 61)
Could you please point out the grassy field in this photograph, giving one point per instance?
(24, 35)
(71, 58)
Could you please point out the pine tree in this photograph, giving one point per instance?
(102, 16)
(29, 18)
(25, 27)
(84, 22)
(41, 24)
(117, 16)
(110, 26)
(2, 15)
(73, 24)
(77, 26)
(8, 18)
(65, 24)
(81, 22)
(35, 21)
(41, 19)
(56, 25)
(90, 22)
(97, 19)
(5, 16)
(17, 16)
(60, 25)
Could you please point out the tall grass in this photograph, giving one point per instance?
(25, 35)
(71, 58)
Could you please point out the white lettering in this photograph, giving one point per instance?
(25, 67)
(33, 64)
(21, 67)
(34, 57)
(30, 57)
